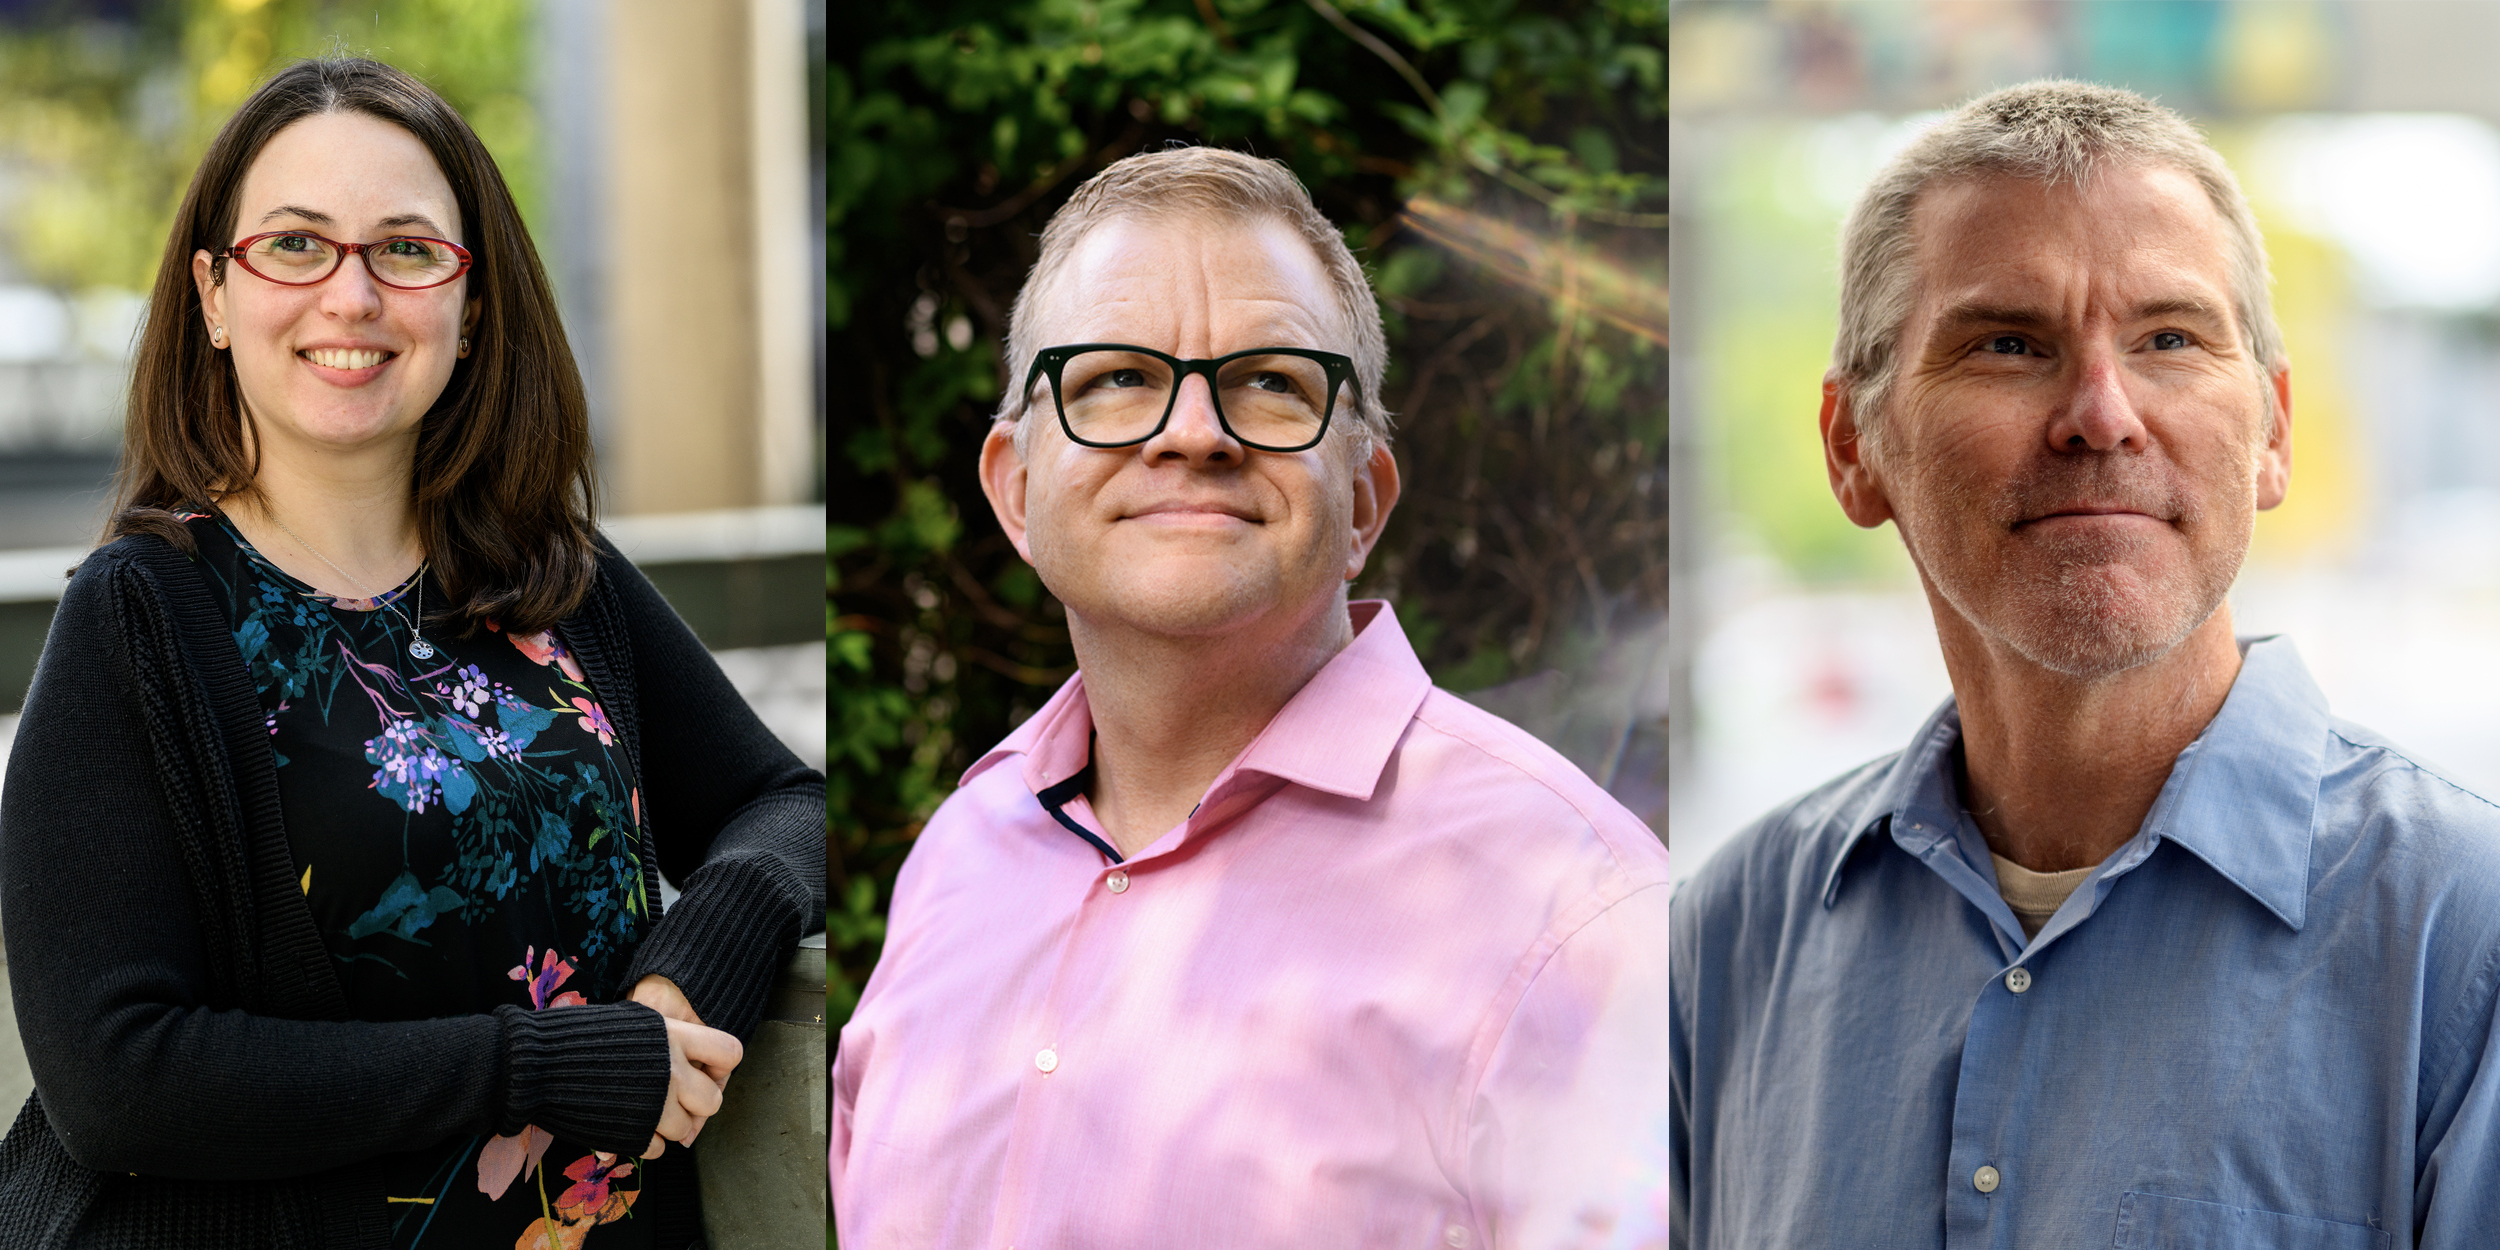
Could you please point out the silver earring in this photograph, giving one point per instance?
(217, 335)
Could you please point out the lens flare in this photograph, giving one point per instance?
(1567, 272)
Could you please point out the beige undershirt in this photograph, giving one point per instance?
(2035, 896)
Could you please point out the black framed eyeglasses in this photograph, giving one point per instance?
(1120, 394)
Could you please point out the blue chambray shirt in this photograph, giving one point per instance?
(2266, 1021)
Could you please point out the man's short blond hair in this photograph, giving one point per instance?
(2052, 131)
(1203, 184)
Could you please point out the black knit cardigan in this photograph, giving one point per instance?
(198, 1081)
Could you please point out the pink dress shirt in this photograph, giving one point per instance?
(1400, 980)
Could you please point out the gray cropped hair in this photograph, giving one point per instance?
(1203, 184)
(2053, 131)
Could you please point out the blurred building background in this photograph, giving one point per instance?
(2365, 136)
(669, 160)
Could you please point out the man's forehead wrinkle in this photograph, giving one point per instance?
(1271, 322)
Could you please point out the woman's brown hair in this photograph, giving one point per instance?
(504, 485)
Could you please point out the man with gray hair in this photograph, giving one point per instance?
(1249, 937)
(2134, 944)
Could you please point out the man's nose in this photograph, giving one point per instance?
(1193, 433)
(2097, 413)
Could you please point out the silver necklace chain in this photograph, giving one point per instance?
(417, 645)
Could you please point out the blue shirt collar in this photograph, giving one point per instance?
(2241, 797)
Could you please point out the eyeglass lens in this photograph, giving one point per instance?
(309, 258)
(1119, 397)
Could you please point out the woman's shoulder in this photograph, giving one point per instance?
(143, 549)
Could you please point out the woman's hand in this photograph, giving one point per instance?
(699, 1060)
(662, 995)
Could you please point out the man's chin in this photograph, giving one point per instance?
(2090, 630)
(1211, 607)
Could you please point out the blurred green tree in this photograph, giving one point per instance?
(1499, 166)
(102, 119)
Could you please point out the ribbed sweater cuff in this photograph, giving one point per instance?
(595, 1074)
(726, 938)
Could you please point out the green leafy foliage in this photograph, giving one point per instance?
(1533, 414)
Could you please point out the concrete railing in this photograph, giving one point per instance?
(763, 1156)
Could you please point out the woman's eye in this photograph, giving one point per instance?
(2169, 341)
(292, 243)
(2009, 345)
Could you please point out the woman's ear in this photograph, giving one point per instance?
(204, 276)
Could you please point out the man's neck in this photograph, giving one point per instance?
(1170, 713)
(2060, 771)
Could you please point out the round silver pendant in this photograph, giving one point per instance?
(421, 649)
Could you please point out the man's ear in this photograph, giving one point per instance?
(1854, 483)
(1375, 493)
(1003, 480)
(2274, 461)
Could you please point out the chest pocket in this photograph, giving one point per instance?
(2153, 1222)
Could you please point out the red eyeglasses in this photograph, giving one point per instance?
(301, 258)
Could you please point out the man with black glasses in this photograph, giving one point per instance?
(1249, 936)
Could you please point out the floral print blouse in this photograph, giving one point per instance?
(465, 829)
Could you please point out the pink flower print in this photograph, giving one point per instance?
(595, 720)
(542, 648)
(506, 1159)
(590, 1198)
(551, 973)
(497, 743)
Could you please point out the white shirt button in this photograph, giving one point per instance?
(1117, 882)
(1984, 1180)
(2018, 980)
(1455, 1237)
(1047, 1061)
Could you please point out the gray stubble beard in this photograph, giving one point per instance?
(2077, 620)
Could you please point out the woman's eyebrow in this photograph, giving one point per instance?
(319, 218)
(315, 216)
(409, 219)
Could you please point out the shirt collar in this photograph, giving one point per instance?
(2241, 797)
(1335, 735)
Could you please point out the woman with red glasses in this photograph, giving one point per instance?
(330, 840)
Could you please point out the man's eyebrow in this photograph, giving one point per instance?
(2187, 306)
(1972, 313)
